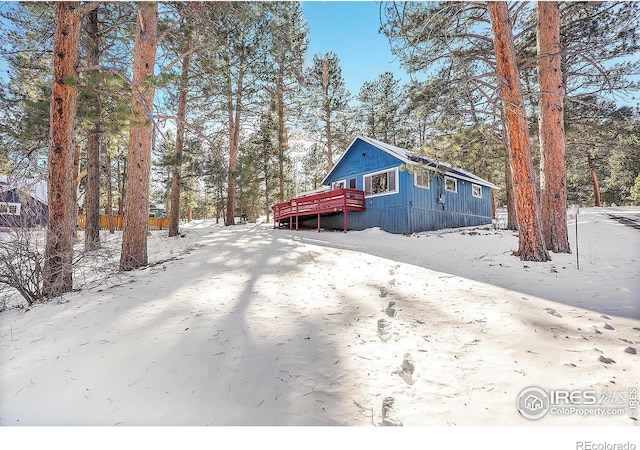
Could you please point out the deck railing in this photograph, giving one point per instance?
(336, 200)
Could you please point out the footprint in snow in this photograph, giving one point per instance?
(606, 360)
(407, 370)
(391, 310)
(389, 413)
(384, 329)
(553, 312)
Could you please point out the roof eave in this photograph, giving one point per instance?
(369, 141)
(444, 168)
(410, 158)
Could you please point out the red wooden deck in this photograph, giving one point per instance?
(336, 200)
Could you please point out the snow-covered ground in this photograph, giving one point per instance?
(248, 325)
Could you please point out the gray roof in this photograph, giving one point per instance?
(409, 157)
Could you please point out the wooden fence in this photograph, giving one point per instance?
(154, 223)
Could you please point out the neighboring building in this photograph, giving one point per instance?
(405, 192)
(157, 210)
(23, 203)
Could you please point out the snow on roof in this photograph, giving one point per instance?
(409, 157)
(34, 187)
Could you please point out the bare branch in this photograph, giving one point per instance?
(179, 58)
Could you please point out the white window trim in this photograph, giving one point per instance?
(8, 206)
(455, 183)
(333, 184)
(415, 180)
(364, 183)
(473, 186)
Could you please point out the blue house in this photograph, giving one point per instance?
(23, 203)
(405, 192)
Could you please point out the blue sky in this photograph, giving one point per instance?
(350, 30)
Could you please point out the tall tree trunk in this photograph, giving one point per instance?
(120, 183)
(136, 202)
(531, 241)
(493, 198)
(282, 135)
(265, 176)
(58, 268)
(107, 208)
(233, 160)
(553, 176)
(594, 180)
(596, 188)
(78, 177)
(92, 196)
(176, 179)
(327, 111)
(512, 215)
(220, 204)
(234, 139)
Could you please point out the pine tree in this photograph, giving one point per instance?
(553, 182)
(58, 269)
(380, 105)
(176, 179)
(92, 197)
(289, 43)
(261, 161)
(25, 96)
(237, 63)
(104, 107)
(136, 208)
(327, 97)
(531, 242)
(313, 163)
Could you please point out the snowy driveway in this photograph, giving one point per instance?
(267, 327)
(608, 279)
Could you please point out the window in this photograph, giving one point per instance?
(422, 180)
(450, 184)
(476, 191)
(381, 183)
(352, 183)
(338, 184)
(11, 209)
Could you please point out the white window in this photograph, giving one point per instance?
(422, 180)
(381, 183)
(476, 190)
(11, 209)
(450, 184)
(352, 183)
(339, 184)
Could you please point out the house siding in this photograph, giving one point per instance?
(33, 212)
(412, 208)
(458, 209)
